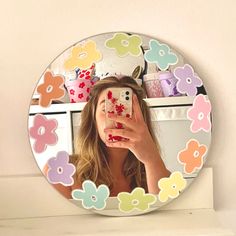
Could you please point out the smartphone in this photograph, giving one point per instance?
(118, 101)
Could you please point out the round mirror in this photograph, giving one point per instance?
(120, 123)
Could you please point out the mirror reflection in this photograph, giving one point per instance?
(138, 84)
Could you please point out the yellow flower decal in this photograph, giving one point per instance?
(83, 56)
(192, 156)
(170, 187)
(52, 88)
(137, 199)
(125, 44)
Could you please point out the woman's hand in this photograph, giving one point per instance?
(139, 141)
(138, 138)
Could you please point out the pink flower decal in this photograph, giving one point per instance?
(192, 156)
(60, 170)
(43, 131)
(199, 113)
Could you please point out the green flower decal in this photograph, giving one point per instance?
(160, 54)
(137, 199)
(91, 196)
(125, 44)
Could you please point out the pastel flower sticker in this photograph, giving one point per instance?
(92, 196)
(137, 199)
(192, 156)
(170, 187)
(188, 81)
(160, 54)
(60, 170)
(43, 131)
(83, 56)
(51, 88)
(125, 44)
(199, 113)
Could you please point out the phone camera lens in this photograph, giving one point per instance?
(127, 93)
(127, 98)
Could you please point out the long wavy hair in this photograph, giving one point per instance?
(91, 158)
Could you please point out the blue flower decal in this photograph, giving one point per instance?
(160, 54)
(91, 196)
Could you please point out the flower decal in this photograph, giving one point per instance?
(52, 88)
(170, 187)
(83, 56)
(137, 199)
(60, 170)
(160, 54)
(125, 44)
(188, 81)
(43, 131)
(91, 196)
(192, 156)
(199, 113)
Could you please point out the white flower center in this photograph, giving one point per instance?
(41, 130)
(189, 80)
(174, 186)
(60, 170)
(200, 116)
(161, 53)
(135, 202)
(125, 42)
(196, 154)
(94, 198)
(83, 55)
(49, 89)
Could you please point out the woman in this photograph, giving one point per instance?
(121, 165)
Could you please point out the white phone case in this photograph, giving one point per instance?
(118, 101)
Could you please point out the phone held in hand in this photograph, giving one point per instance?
(118, 101)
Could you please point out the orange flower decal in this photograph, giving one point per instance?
(192, 156)
(83, 56)
(52, 88)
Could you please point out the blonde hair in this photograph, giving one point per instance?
(91, 159)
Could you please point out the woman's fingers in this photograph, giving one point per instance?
(121, 132)
(136, 109)
(128, 122)
(119, 144)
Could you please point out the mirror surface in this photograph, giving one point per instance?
(157, 140)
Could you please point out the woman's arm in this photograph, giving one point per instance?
(140, 143)
(155, 170)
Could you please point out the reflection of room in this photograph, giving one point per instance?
(171, 89)
(157, 79)
(169, 117)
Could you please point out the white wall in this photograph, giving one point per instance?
(33, 33)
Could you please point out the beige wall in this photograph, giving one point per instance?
(33, 33)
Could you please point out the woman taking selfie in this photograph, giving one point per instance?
(133, 160)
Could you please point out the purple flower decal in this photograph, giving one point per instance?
(188, 81)
(60, 170)
(43, 131)
(199, 113)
